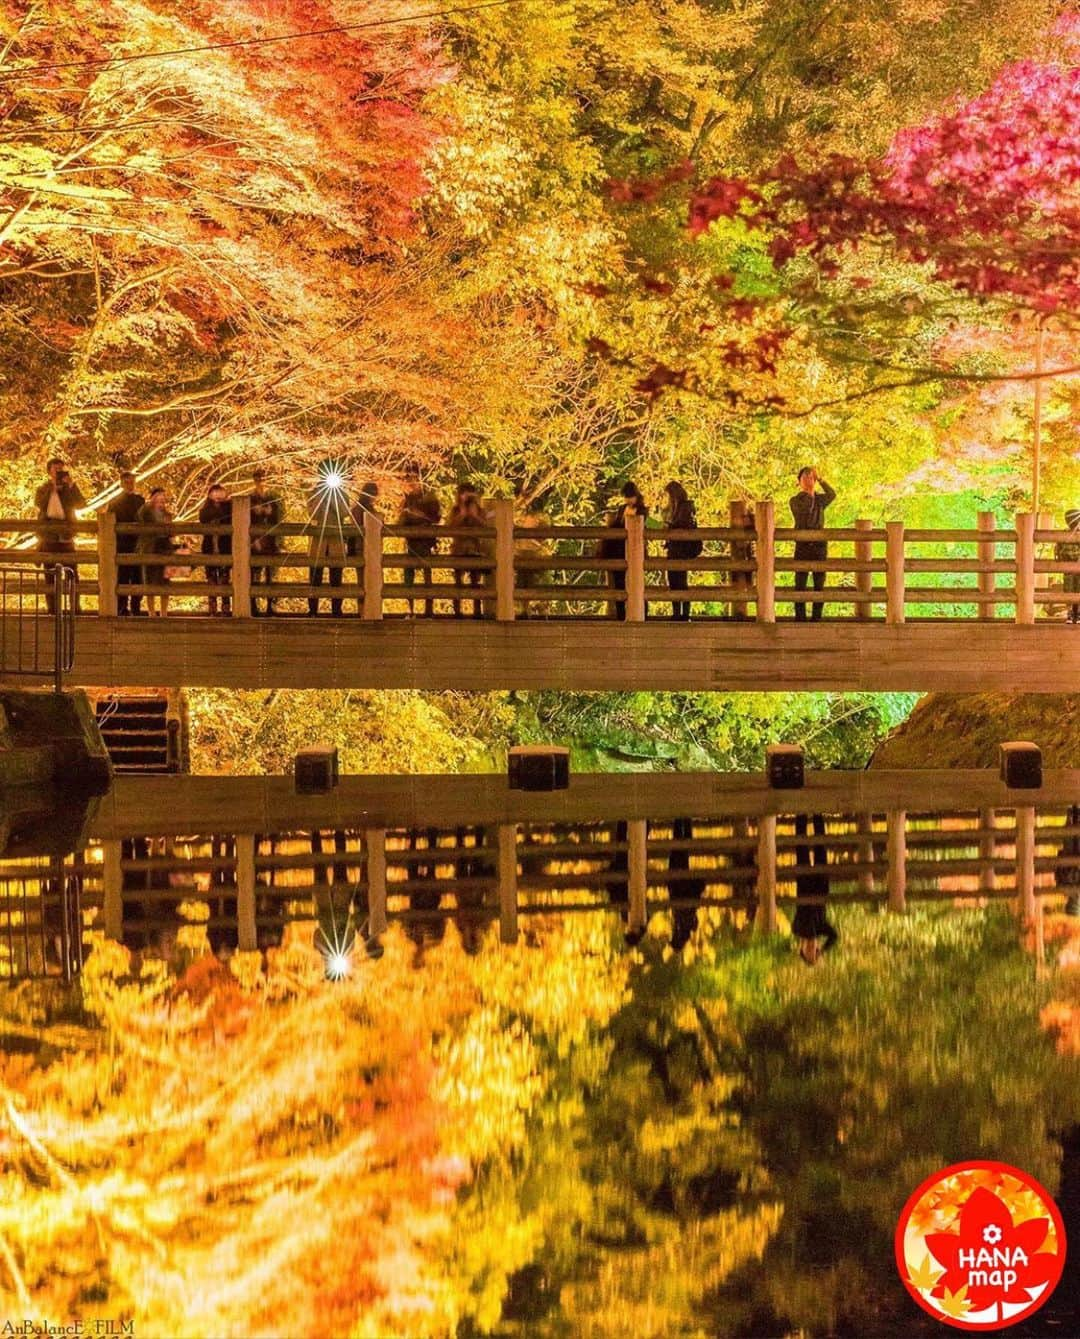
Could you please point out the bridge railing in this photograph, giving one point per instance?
(508, 570)
(243, 889)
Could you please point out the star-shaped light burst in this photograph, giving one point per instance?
(337, 946)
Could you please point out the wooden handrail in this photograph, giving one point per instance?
(524, 567)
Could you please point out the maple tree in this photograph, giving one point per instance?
(205, 258)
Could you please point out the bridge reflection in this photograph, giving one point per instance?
(245, 877)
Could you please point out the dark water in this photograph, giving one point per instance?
(718, 1137)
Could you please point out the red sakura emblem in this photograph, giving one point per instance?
(980, 1245)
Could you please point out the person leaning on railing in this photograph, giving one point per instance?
(126, 508)
(57, 502)
(420, 509)
(155, 515)
(679, 514)
(330, 522)
(265, 519)
(217, 510)
(467, 514)
(614, 548)
(1068, 551)
(364, 506)
(808, 509)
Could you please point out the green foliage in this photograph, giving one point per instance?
(718, 731)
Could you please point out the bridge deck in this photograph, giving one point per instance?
(574, 655)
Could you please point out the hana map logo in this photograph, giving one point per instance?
(980, 1245)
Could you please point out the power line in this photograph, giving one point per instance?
(254, 41)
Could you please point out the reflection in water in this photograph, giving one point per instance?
(562, 1136)
(810, 925)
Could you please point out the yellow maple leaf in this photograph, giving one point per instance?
(955, 1304)
(925, 1276)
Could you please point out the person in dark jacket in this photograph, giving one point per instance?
(126, 509)
(632, 504)
(420, 510)
(680, 514)
(155, 540)
(217, 510)
(810, 924)
(808, 511)
(57, 504)
(265, 519)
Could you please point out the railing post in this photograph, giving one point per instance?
(112, 879)
(107, 570)
(1025, 568)
(765, 560)
(373, 567)
(896, 847)
(247, 938)
(241, 557)
(1025, 861)
(637, 862)
(894, 572)
(508, 883)
(503, 511)
(375, 845)
(864, 581)
(635, 569)
(765, 921)
(987, 876)
(987, 580)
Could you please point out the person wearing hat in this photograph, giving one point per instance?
(265, 518)
(1068, 551)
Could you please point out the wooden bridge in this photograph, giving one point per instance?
(904, 609)
(255, 856)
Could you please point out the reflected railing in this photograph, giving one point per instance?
(246, 888)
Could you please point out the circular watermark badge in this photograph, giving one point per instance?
(980, 1245)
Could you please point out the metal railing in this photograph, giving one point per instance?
(37, 630)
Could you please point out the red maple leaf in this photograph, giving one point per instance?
(987, 1234)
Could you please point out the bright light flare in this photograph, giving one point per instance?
(332, 478)
(338, 966)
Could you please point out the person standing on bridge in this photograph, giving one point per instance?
(265, 519)
(155, 516)
(467, 515)
(808, 509)
(1068, 551)
(359, 511)
(632, 504)
(57, 502)
(126, 509)
(679, 514)
(217, 510)
(420, 510)
(329, 512)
